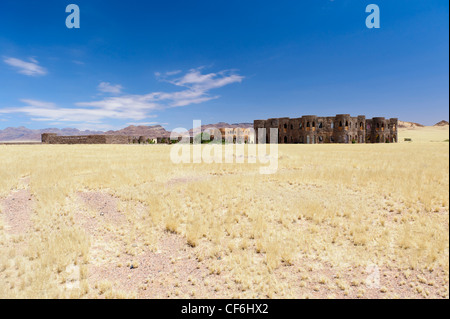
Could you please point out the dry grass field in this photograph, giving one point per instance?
(335, 221)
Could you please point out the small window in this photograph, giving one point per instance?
(285, 125)
(313, 124)
(332, 124)
(340, 123)
(307, 125)
(320, 125)
(301, 125)
(292, 127)
(346, 123)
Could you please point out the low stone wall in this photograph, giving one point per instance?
(88, 139)
(118, 139)
(51, 138)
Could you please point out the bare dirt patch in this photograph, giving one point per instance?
(17, 209)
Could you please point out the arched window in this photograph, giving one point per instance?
(300, 125)
(340, 123)
(307, 124)
(332, 124)
(313, 124)
(285, 139)
(320, 125)
(292, 127)
(361, 125)
(285, 125)
(346, 123)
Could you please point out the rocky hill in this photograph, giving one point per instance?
(225, 125)
(402, 124)
(149, 131)
(442, 123)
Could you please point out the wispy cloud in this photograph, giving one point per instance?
(145, 123)
(195, 86)
(28, 68)
(107, 87)
(166, 74)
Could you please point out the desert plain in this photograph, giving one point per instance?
(123, 221)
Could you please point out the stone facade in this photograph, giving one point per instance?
(309, 129)
(341, 128)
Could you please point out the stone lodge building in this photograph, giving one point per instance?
(341, 128)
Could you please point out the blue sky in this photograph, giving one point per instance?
(170, 62)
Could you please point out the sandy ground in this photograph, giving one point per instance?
(128, 260)
(173, 270)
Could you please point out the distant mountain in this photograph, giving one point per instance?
(149, 131)
(402, 124)
(224, 125)
(442, 123)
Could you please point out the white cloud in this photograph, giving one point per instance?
(169, 73)
(43, 111)
(28, 68)
(196, 87)
(107, 87)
